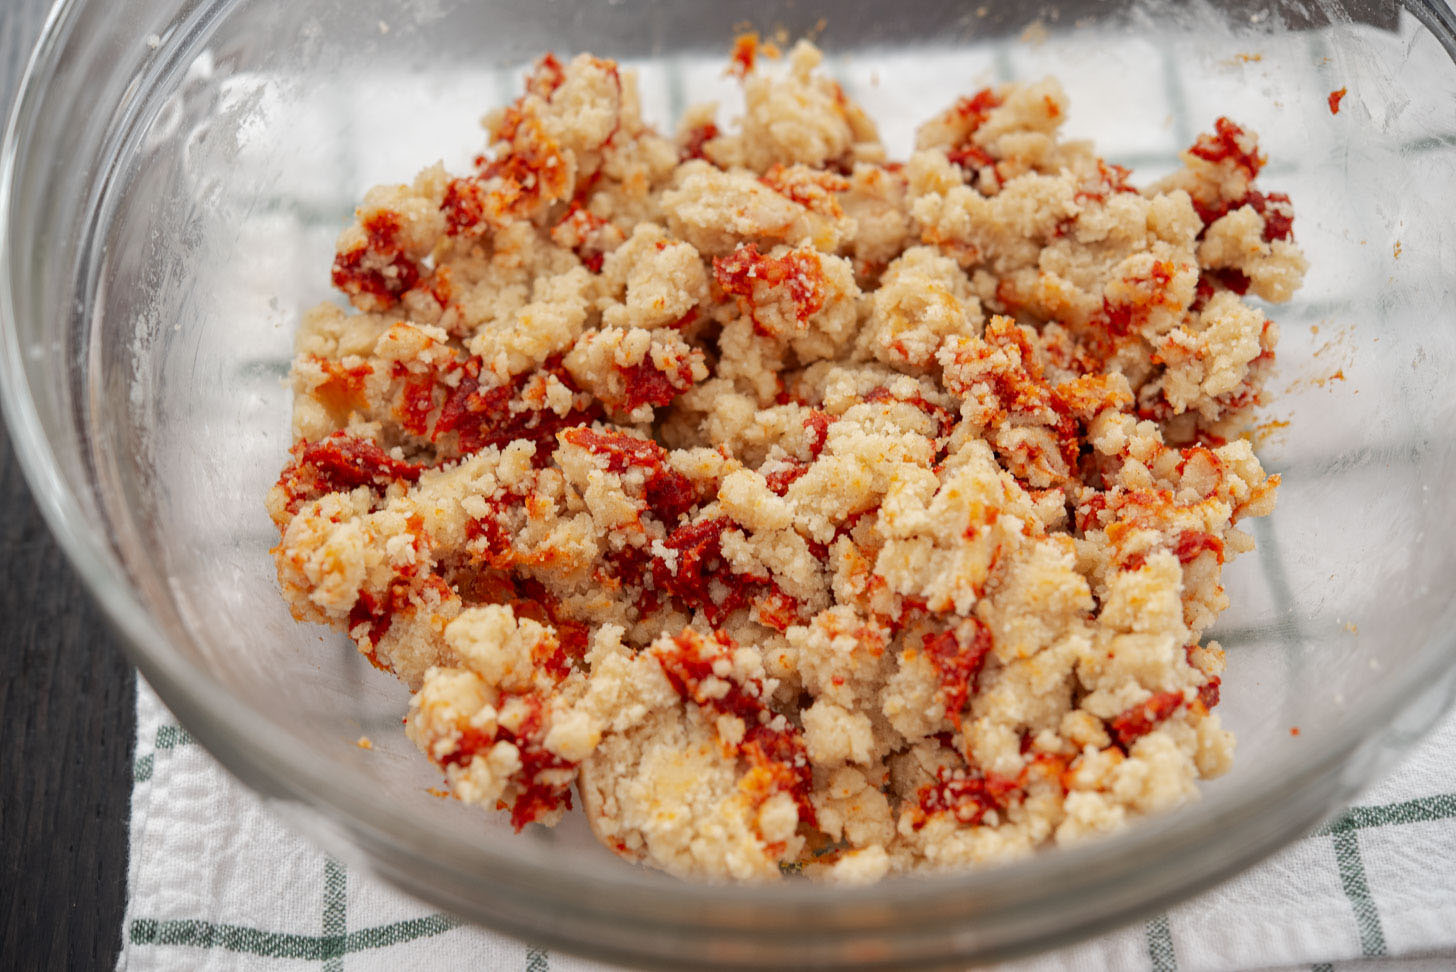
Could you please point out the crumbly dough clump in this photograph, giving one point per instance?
(795, 508)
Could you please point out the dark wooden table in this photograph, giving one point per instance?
(67, 711)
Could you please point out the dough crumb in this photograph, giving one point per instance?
(789, 508)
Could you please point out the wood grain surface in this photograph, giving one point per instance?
(67, 711)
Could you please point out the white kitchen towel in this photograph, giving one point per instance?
(217, 882)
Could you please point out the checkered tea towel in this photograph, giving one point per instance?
(217, 882)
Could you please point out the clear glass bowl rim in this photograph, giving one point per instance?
(264, 755)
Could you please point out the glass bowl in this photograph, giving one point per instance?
(171, 183)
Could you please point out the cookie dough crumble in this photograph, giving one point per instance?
(793, 508)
